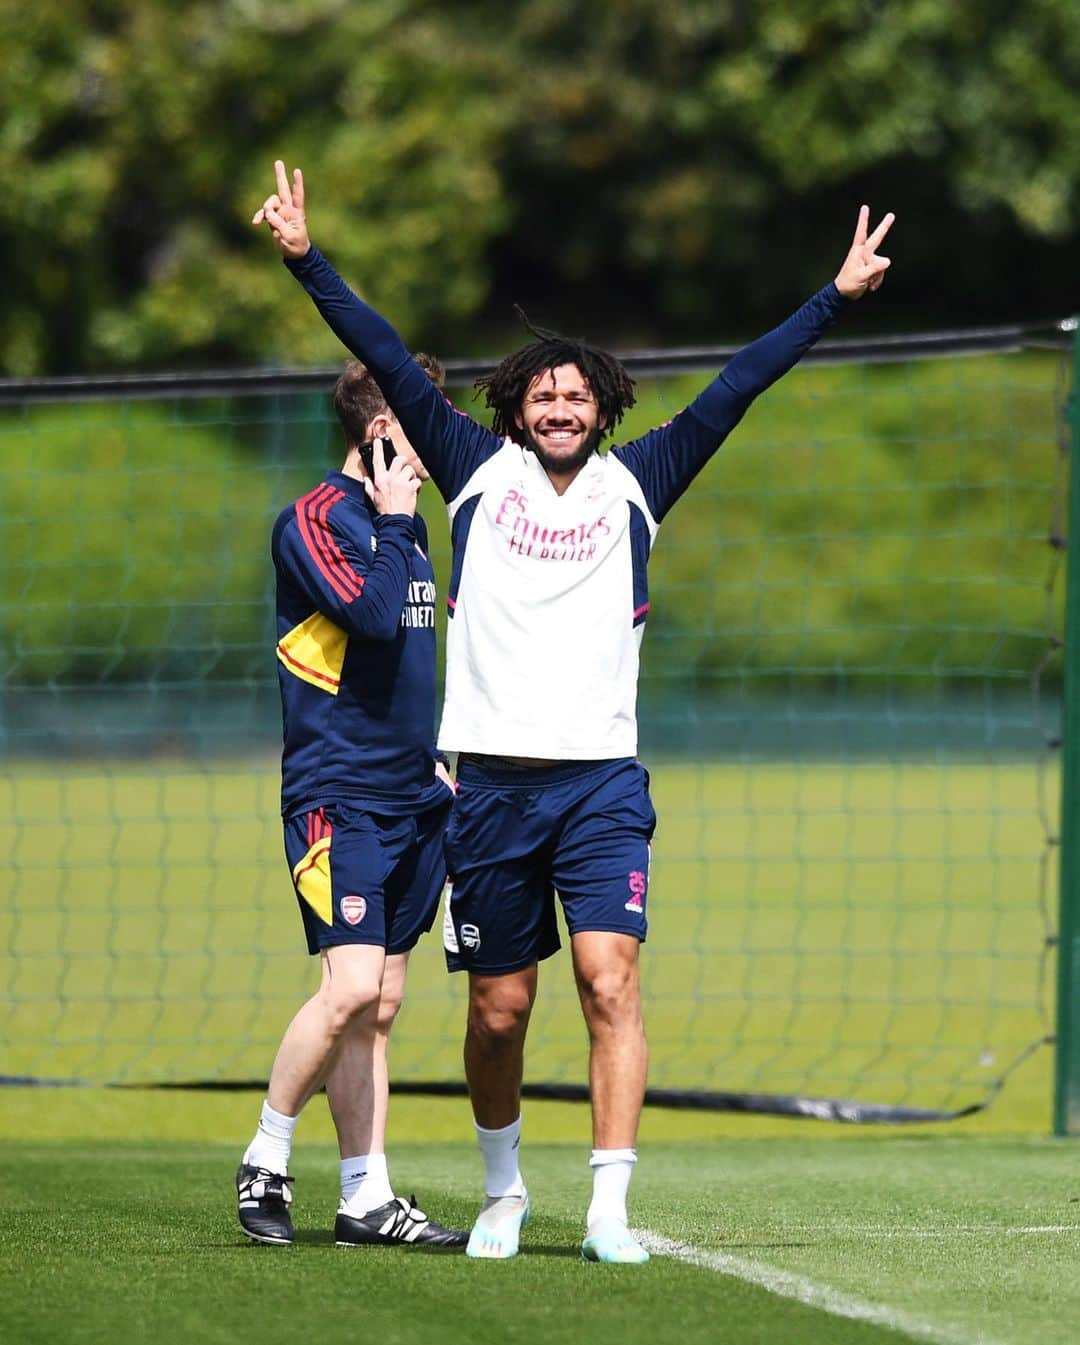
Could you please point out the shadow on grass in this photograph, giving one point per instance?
(321, 1237)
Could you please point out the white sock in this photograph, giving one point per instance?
(365, 1183)
(610, 1183)
(499, 1149)
(272, 1144)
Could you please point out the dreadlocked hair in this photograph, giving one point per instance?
(505, 387)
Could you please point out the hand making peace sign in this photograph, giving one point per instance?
(284, 213)
(863, 269)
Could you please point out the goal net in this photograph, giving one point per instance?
(850, 710)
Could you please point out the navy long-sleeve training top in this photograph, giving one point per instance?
(356, 653)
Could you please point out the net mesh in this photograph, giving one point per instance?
(849, 702)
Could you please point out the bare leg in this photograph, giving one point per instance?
(606, 969)
(357, 1084)
(351, 977)
(349, 987)
(499, 1009)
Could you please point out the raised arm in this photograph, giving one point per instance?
(451, 445)
(667, 459)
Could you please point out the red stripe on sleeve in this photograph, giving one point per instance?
(304, 508)
(322, 546)
(329, 542)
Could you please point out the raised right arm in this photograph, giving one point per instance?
(451, 444)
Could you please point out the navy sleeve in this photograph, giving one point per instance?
(667, 459)
(420, 526)
(364, 595)
(450, 444)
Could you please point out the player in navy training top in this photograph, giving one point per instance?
(548, 599)
(365, 806)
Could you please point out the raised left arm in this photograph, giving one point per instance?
(666, 460)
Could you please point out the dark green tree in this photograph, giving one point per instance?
(705, 158)
(138, 138)
(638, 171)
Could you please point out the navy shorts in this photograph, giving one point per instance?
(363, 877)
(518, 835)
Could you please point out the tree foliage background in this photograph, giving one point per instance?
(639, 172)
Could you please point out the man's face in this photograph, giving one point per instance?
(560, 418)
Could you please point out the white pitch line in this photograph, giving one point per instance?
(786, 1284)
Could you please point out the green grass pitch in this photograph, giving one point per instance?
(119, 1226)
(778, 891)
